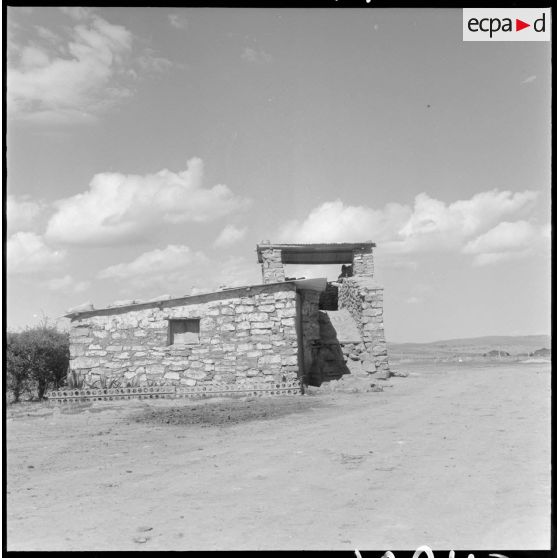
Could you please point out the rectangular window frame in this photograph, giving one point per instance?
(189, 322)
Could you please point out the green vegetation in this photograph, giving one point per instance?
(36, 360)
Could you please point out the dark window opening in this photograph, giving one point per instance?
(329, 299)
(184, 332)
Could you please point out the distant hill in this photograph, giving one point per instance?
(520, 345)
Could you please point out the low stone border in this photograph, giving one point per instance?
(172, 392)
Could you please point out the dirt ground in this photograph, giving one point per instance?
(453, 456)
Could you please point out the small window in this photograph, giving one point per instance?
(184, 332)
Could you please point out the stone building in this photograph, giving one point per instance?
(283, 330)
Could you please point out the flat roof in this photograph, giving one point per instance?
(327, 253)
(318, 284)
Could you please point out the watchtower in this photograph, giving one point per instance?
(355, 297)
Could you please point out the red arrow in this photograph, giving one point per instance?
(519, 25)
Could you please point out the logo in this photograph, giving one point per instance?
(506, 24)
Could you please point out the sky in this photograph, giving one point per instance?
(150, 149)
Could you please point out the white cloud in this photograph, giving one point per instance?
(430, 225)
(434, 225)
(27, 252)
(503, 237)
(180, 270)
(67, 284)
(22, 213)
(254, 56)
(159, 263)
(506, 241)
(178, 21)
(229, 235)
(77, 80)
(119, 208)
(336, 222)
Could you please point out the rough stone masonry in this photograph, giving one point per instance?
(261, 333)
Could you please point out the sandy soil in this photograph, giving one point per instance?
(451, 456)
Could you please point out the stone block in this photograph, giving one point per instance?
(283, 295)
(84, 362)
(80, 331)
(287, 313)
(266, 360)
(289, 360)
(261, 333)
(96, 353)
(100, 333)
(172, 376)
(258, 317)
(195, 374)
(155, 368)
(262, 325)
(76, 350)
(266, 308)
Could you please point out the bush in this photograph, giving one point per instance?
(36, 359)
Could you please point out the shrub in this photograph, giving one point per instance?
(36, 359)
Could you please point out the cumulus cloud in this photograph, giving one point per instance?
(337, 222)
(433, 224)
(27, 252)
(158, 263)
(178, 21)
(428, 225)
(118, 208)
(180, 270)
(69, 79)
(506, 241)
(229, 235)
(22, 213)
(256, 56)
(67, 284)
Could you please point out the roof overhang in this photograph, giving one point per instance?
(337, 253)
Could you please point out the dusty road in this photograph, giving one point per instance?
(451, 457)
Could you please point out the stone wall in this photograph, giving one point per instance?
(246, 335)
(365, 301)
(363, 263)
(273, 270)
